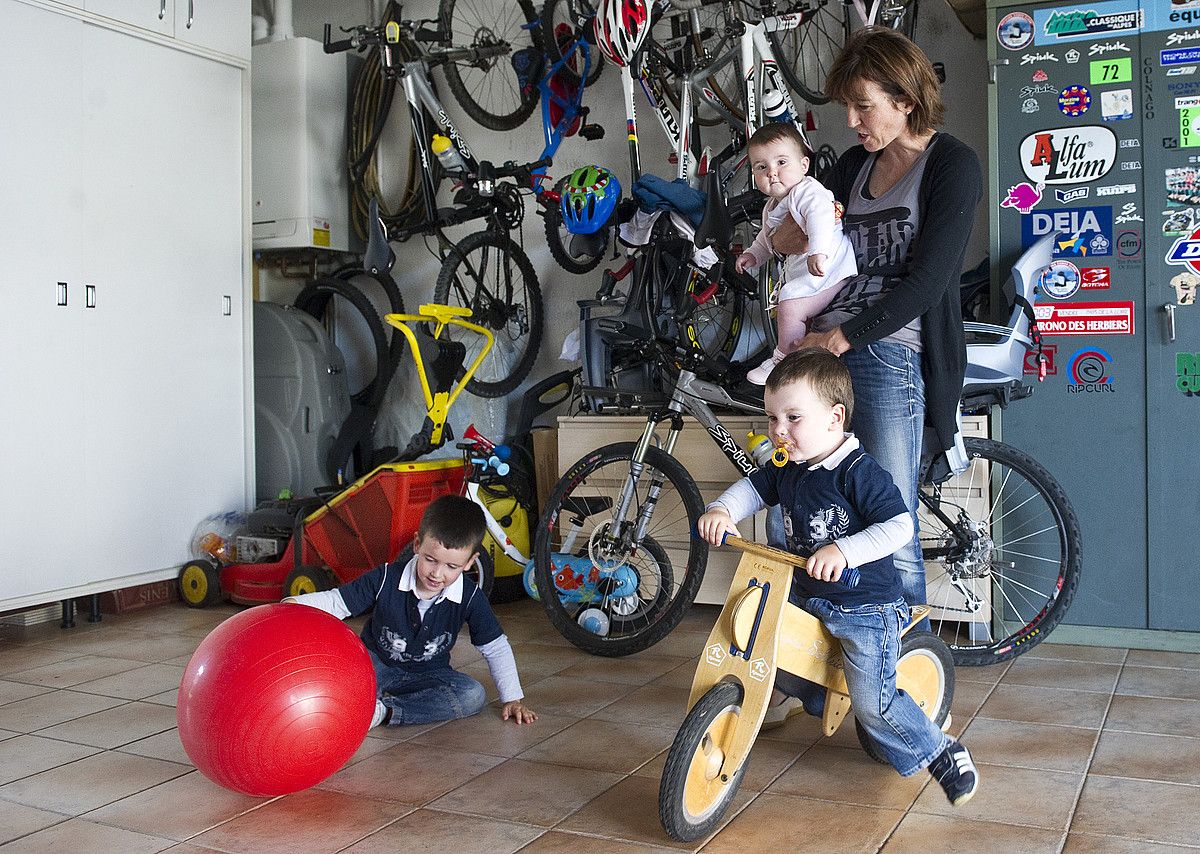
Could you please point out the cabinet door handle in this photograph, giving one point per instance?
(62, 293)
(992, 69)
(89, 296)
(162, 9)
(1169, 308)
(191, 13)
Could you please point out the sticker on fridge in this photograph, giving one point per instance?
(1082, 232)
(1116, 104)
(1086, 21)
(1085, 318)
(1070, 155)
(1015, 31)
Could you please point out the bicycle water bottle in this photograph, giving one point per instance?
(760, 448)
(447, 154)
(775, 108)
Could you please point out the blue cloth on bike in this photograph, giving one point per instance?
(658, 194)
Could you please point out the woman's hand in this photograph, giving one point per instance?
(833, 341)
(789, 238)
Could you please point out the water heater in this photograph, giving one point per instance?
(298, 127)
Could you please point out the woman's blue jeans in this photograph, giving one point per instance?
(870, 638)
(889, 420)
(432, 695)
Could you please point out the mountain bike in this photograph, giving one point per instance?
(1001, 543)
(486, 272)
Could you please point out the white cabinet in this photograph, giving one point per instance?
(221, 25)
(132, 422)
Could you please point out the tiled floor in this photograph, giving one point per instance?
(1081, 750)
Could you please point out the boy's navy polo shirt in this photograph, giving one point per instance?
(395, 631)
(844, 494)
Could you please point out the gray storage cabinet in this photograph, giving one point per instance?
(1095, 135)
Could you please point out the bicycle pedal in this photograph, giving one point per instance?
(591, 132)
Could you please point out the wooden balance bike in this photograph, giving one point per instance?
(757, 633)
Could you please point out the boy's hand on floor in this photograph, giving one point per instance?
(517, 711)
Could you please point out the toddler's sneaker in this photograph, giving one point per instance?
(777, 715)
(956, 772)
(759, 375)
(380, 714)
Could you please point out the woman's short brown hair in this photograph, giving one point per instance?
(901, 69)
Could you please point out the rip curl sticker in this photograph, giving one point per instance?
(1015, 31)
(1074, 100)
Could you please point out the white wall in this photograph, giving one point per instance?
(938, 30)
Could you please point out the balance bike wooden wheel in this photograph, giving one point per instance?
(757, 632)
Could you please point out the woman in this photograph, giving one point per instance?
(910, 194)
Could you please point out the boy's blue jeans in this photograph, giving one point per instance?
(432, 695)
(870, 638)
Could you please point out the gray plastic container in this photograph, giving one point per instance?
(301, 399)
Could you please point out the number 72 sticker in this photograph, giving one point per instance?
(1115, 70)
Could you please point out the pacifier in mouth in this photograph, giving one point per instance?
(780, 456)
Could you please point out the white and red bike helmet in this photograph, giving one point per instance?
(621, 28)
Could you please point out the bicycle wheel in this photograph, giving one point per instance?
(488, 273)
(925, 671)
(696, 788)
(615, 585)
(1002, 550)
(563, 22)
(806, 53)
(575, 253)
(677, 47)
(487, 87)
(714, 326)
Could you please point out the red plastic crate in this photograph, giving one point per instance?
(374, 518)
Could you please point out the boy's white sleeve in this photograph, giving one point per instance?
(739, 500)
(329, 601)
(811, 205)
(876, 541)
(502, 664)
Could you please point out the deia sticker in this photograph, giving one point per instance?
(1071, 155)
(1082, 232)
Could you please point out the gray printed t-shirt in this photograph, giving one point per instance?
(881, 231)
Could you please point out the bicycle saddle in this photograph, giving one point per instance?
(379, 256)
(716, 228)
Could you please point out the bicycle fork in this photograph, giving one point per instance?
(637, 467)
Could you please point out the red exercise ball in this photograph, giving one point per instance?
(275, 699)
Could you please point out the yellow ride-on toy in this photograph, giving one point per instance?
(757, 633)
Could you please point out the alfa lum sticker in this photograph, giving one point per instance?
(1085, 318)
(1070, 155)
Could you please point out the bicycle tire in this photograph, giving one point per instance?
(805, 54)
(483, 573)
(486, 25)
(599, 476)
(512, 310)
(314, 299)
(693, 46)
(562, 245)
(1012, 555)
(395, 301)
(710, 723)
(551, 19)
(937, 665)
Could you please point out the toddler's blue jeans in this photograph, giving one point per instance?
(870, 638)
(431, 695)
